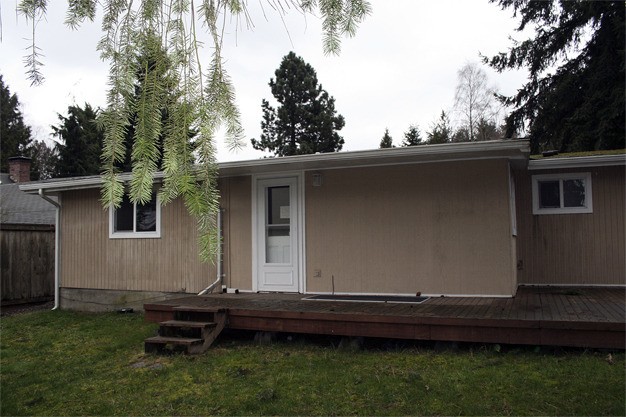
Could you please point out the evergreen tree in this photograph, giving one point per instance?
(412, 137)
(386, 141)
(487, 130)
(440, 132)
(79, 142)
(15, 135)
(580, 104)
(305, 121)
(44, 161)
(461, 135)
(148, 123)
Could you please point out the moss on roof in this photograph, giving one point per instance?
(577, 154)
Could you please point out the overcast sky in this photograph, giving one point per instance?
(400, 69)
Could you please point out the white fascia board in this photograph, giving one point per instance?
(77, 183)
(577, 162)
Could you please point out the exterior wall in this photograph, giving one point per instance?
(90, 260)
(441, 228)
(237, 223)
(574, 249)
(26, 262)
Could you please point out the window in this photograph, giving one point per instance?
(135, 220)
(562, 193)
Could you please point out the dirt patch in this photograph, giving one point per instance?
(11, 310)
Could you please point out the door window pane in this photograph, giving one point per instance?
(278, 205)
(549, 194)
(277, 227)
(574, 193)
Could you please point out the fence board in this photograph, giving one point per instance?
(26, 262)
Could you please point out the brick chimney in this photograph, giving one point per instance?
(19, 168)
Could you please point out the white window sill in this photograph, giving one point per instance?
(572, 210)
(135, 235)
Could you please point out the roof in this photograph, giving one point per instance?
(5, 178)
(574, 161)
(516, 151)
(18, 207)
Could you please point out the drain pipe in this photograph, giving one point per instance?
(218, 279)
(57, 232)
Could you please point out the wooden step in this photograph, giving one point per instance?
(182, 341)
(192, 331)
(188, 324)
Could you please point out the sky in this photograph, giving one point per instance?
(399, 70)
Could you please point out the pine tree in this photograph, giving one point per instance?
(386, 141)
(580, 104)
(305, 121)
(440, 132)
(412, 137)
(15, 135)
(79, 142)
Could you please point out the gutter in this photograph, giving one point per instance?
(218, 278)
(57, 241)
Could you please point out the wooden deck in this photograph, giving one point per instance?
(581, 317)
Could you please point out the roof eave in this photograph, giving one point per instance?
(577, 162)
(508, 149)
(515, 150)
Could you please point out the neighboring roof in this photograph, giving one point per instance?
(516, 151)
(556, 154)
(579, 160)
(18, 207)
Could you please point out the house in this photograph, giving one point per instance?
(459, 219)
(27, 239)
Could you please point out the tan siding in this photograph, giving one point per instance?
(434, 228)
(91, 260)
(585, 249)
(236, 200)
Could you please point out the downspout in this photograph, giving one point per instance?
(218, 279)
(57, 232)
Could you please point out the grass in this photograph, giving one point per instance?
(64, 363)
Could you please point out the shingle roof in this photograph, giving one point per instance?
(18, 207)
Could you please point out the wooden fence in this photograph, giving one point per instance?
(26, 262)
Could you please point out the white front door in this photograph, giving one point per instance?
(277, 235)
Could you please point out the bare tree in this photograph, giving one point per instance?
(474, 101)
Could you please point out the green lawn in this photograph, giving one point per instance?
(63, 363)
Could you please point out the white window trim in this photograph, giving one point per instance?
(560, 177)
(135, 235)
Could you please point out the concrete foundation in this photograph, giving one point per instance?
(81, 299)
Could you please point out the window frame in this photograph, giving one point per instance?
(135, 234)
(586, 176)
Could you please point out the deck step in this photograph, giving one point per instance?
(183, 341)
(197, 309)
(192, 331)
(188, 324)
(163, 344)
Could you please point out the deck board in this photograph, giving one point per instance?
(587, 317)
